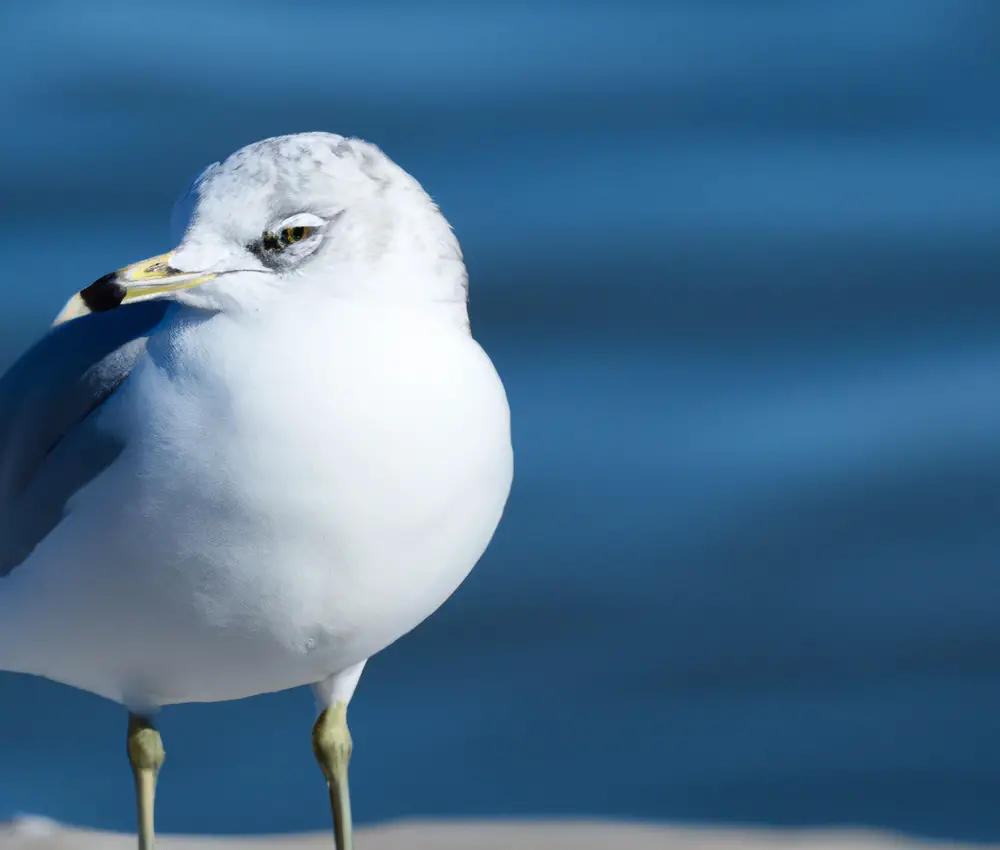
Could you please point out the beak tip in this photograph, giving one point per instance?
(73, 309)
(105, 293)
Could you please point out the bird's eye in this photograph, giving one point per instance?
(275, 242)
(295, 234)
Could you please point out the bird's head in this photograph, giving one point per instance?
(313, 212)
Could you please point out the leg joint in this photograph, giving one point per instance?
(145, 747)
(331, 740)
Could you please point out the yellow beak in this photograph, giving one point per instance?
(138, 282)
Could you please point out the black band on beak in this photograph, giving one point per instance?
(103, 294)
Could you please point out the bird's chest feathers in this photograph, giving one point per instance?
(349, 426)
(237, 409)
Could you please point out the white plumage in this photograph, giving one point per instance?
(312, 450)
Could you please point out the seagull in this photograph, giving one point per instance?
(253, 462)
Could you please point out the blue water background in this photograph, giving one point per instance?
(738, 264)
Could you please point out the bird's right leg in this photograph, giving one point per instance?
(145, 754)
(331, 741)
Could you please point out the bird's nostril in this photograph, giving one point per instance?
(103, 294)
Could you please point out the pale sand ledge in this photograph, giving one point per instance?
(38, 834)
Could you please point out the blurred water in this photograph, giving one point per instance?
(737, 264)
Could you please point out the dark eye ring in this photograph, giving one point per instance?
(275, 242)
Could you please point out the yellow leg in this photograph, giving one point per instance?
(332, 745)
(145, 754)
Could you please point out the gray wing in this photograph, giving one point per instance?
(48, 448)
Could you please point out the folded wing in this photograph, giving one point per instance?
(49, 447)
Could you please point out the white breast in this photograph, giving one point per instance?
(299, 494)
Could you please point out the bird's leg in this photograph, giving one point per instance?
(145, 754)
(331, 741)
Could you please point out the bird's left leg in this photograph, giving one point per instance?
(145, 754)
(331, 741)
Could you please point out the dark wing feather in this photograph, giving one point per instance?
(47, 449)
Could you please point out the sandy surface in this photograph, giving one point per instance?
(41, 835)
